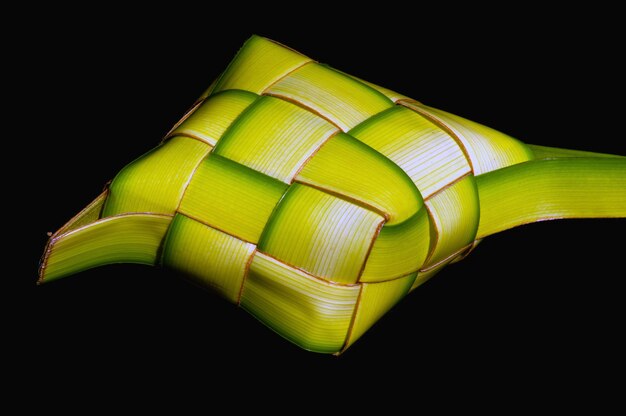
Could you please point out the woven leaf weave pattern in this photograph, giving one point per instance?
(298, 178)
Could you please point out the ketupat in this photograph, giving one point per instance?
(316, 200)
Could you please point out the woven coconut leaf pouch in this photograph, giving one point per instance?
(316, 200)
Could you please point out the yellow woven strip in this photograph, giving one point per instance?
(321, 234)
(156, 181)
(399, 249)
(466, 251)
(430, 157)
(455, 213)
(211, 119)
(231, 197)
(424, 276)
(208, 91)
(346, 166)
(275, 137)
(487, 149)
(375, 300)
(87, 215)
(258, 64)
(392, 95)
(127, 238)
(210, 257)
(312, 313)
(338, 97)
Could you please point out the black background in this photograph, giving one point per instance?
(541, 305)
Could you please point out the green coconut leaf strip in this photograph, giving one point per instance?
(343, 163)
(454, 215)
(156, 181)
(466, 251)
(544, 152)
(429, 155)
(429, 270)
(425, 275)
(87, 215)
(324, 235)
(310, 312)
(392, 95)
(550, 189)
(377, 299)
(488, 149)
(399, 249)
(337, 97)
(127, 238)
(275, 137)
(210, 257)
(231, 197)
(210, 120)
(208, 91)
(258, 64)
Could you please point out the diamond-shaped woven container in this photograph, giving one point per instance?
(311, 198)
